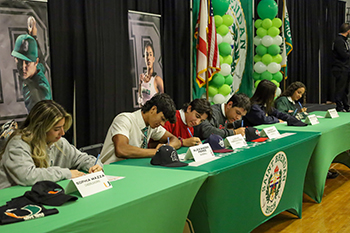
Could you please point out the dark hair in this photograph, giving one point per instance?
(265, 94)
(164, 104)
(344, 28)
(241, 101)
(201, 106)
(292, 88)
(149, 44)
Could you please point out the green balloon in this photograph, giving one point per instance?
(267, 9)
(257, 83)
(277, 58)
(267, 23)
(222, 30)
(218, 20)
(225, 49)
(277, 22)
(256, 76)
(228, 79)
(276, 83)
(277, 76)
(221, 59)
(273, 50)
(257, 58)
(217, 81)
(261, 32)
(273, 31)
(266, 59)
(228, 59)
(212, 91)
(228, 20)
(225, 90)
(266, 75)
(220, 6)
(258, 23)
(261, 50)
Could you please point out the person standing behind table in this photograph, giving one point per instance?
(190, 115)
(150, 82)
(286, 102)
(226, 118)
(35, 85)
(37, 151)
(129, 133)
(262, 111)
(341, 68)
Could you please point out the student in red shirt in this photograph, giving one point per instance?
(190, 115)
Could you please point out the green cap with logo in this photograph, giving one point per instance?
(26, 48)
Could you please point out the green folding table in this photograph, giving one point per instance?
(232, 198)
(332, 147)
(146, 200)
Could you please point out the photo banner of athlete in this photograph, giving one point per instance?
(146, 56)
(25, 76)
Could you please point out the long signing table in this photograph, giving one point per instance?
(331, 147)
(249, 186)
(146, 200)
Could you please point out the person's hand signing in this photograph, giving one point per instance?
(95, 168)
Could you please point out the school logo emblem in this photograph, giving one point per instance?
(273, 183)
(238, 31)
(25, 45)
(26, 212)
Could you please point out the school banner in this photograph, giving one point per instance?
(146, 56)
(19, 88)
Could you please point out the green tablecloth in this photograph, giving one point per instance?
(229, 200)
(333, 142)
(146, 200)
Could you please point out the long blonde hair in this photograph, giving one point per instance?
(41, 119)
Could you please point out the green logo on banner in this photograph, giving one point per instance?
(273, 183)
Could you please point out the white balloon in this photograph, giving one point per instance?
(273, 67)
(260, 67)
(278, 91)
(219, 37)
(257, 40)
(267, 41)
(227, 38)
(218, 99)
(277, 40)
(225, 69)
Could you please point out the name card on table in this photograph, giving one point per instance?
(331, 113)
(235, 141)
(200, 152)
(311, 120)
(89, 184)
(270, 132)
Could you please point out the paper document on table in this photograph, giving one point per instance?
(196, 164)
(284, 135)
(182, 156)
(114, 178)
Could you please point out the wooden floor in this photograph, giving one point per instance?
(331, 215)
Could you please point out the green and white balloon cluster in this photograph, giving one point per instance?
(267, 40)
(220, 85)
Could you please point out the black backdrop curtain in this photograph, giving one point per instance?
(314, 25)
(90, 46)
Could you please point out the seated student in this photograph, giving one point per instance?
(286, 101)
(226, 117)
(129, 133)
(262, 111)
(190, 115)
(37, 151)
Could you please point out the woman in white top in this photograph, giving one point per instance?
(37, 151)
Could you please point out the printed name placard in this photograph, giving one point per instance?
(311, 120)
(89, 184)
(270, 132)
(331, 113)
(235, 141)
(200, 152)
